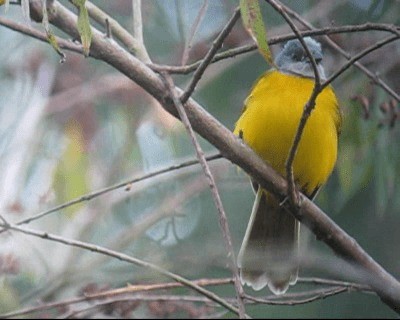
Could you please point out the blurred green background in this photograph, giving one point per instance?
(73, 128)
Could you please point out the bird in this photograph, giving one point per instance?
(269, 253)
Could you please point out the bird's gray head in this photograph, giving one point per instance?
(293, 58)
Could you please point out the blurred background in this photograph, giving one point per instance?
(70, 129)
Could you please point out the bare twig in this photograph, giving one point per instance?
(223, 220)
(374, 77)
(296, 298)
(167, 208)
(42, 36)
(141, 292)
(123, 257)
(115, 293)
(90, 196)
(287, 300)
(209, 56)
(358, 56)
(309, 106)
(278, 39)
(193, 30)
(160, 286)
(141, 51)
(331, 282)
(71, 46)
(119, 33)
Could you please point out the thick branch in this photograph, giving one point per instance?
(233, 149)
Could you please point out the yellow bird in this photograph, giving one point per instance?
(268, 124)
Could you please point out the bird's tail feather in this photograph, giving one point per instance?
(269, 250)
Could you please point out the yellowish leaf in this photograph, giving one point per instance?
(84, 28)
(70, 176)
(254, 24)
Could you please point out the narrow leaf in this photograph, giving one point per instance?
(70, 176)
(254, 24)
(84, 29)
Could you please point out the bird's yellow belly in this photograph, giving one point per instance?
(270, 121)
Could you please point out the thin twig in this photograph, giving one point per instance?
(146, 288)
(119, 33)
(193, 31)
(209, 56)
(357, 57)
(71, 46)
(278, 39)
(92, 195)
(309, 106)
(373, 76)
(39, 35)
(296, 299)
(223, 220)
(115, 293)
(287, 300)
(138, 30)
(123, 257)
(331, 282)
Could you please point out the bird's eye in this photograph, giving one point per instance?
(298, 55)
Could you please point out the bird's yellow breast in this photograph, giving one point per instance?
(270, 120)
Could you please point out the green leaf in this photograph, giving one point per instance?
(70, 174)
(84, 29)
(254, 24)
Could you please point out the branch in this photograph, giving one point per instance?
(71, 46)
(125, 184)
(123, 257)
(374, 77)
(114, 293)
(141, 50)
(310, 297)
(358, 56)
(193, 31)
(132, 43)
(308, 108)
(209, 56)
(278, 39)
(386, 286)
(144, 289)
(223, 220)
(36, 34)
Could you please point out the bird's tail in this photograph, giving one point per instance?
(268, 255)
